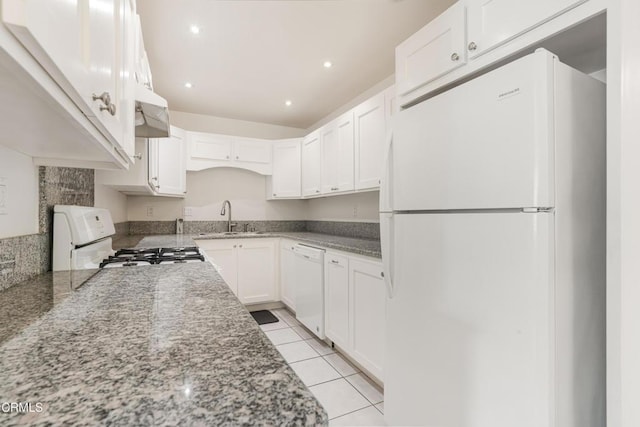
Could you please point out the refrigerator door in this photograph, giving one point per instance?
(488, 143)
(469, 327)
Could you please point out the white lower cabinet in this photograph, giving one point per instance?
(336, 280)
(367, 313)
(288, 274)
(355, 308)
(248, 266)
(257, 271)
(222, 254)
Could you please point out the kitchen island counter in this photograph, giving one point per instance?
(153, 345)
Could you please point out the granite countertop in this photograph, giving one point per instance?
(155, 345)
(367, 247)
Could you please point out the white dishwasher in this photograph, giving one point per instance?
(309, 273)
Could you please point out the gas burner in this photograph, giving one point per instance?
(191, 250)
(148, 256)
(127, 261)
(178, 259)
(143, 252)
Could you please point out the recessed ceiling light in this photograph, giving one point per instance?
(288, 103)
(327, 64)
(195, 29)
(188, 85)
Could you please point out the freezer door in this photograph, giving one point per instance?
(488, 143)
(469, 328)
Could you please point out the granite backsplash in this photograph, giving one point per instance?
(23, 257)
(364, 230)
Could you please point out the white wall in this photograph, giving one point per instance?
(361, 207)
(207, 189)
(21, 194)
(106, 197)
(212, 124)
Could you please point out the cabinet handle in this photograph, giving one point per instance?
(227, 157)
(455, 56)
(472, 46)
(382, 274)
(274, 194)
(155, 178)
(111, 108)
(334, 188)
(237, 157)
(234, 246)
(138, 156)
(317, 191)
(240, 245)
(333, 261)
(104, 97)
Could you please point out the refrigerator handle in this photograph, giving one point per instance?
(387, 246)
(385, 178)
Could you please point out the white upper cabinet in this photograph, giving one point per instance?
(159, 171)
(473, 35)
(493, 22)
(83, 46)
(370, 133)
(285, 182)
(338, 155)
(433, 51)
(207, 146)
(208, 150)
(252, 151)
(170, 169)
(311, 161)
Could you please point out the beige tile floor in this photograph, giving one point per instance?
(348, 395)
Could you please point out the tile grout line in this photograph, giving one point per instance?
(371, 404)
(344, 415)
(368, 400)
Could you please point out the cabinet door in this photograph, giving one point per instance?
(433, 51)
(367, 296)
(171, 169)
(205, 146)
(337, 154)
(494, 22)
(154, 162)
(79, 44)
(248, 150)
(222, 254)
(256, 271)
(286, 169)
(346, 149)
(287, 274)
(311, 172)
(336, 281)
(370, 131)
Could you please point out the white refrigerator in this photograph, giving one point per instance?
(493, 238)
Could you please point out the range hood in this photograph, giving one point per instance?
(152, 114)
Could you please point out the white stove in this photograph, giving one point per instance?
(82, 240)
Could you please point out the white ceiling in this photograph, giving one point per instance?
(251, 56)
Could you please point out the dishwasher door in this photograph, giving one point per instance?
(309, 267)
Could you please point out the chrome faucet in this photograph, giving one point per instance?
(230, 224)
